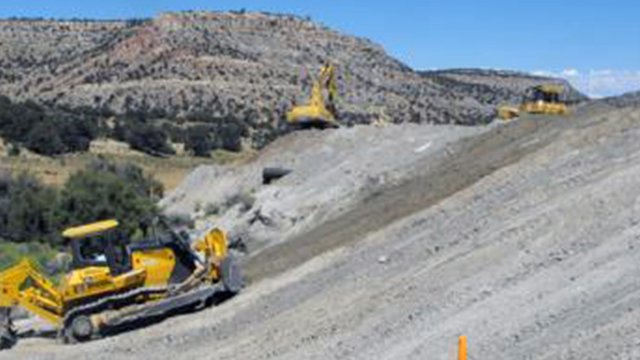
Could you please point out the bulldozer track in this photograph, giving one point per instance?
(107, 302)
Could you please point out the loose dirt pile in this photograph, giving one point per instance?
(523, 236)
(332, 172)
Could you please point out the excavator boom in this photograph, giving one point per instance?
(319, 112)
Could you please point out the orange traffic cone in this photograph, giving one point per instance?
(462, 348)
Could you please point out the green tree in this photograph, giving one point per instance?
(198, 141)
(106, 191)
(27, 210)
(45, 139)
(144, 137)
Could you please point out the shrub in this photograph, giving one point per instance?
(47, 131)
(143, 136)
(44, 254)
(31, 212)
(198, 141)
(212, 209)
(245, 199)
(13, 150)
(43, 140)
(27, 210)
(230, 136)
(107, 191)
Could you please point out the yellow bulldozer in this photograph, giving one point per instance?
(114, 283)
(320, 111)
(542, 99)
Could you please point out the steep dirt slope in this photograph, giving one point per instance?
(523, 237)
(331, 172)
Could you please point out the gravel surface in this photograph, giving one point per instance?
(523, 236)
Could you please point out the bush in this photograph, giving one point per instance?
(230, 136)
(198, 141)
(31, 212)
(150, 140)
(27, 210)
(43, 140)
(11, 254)
(131, 174)
(245, 199)
(218, 133)
(106, 191)
(47, 131)
(13, 150)
(76, 135)
(142, 136)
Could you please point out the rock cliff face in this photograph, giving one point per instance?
(251, 65)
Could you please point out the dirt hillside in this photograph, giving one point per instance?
(247, 65)
(522, 236)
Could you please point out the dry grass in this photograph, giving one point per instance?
(170, 171)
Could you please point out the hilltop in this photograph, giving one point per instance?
(242, 67)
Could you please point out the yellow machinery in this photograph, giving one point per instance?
(541, 99)
(318, 112)
(112, 283)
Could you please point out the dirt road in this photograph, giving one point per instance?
(524, 237)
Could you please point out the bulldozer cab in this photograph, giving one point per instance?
(549, 93)
(99, 244)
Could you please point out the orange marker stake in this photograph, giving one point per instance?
(462, 348)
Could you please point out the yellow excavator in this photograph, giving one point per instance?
(113, 283)
(541, 99)
(318, 112)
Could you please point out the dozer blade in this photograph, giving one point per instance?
(8, 338)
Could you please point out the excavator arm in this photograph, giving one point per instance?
(326, 80)
(320, 111)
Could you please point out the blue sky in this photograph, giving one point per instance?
(593, 43)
